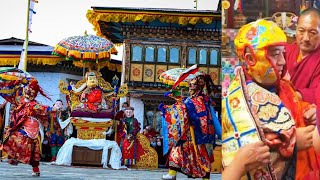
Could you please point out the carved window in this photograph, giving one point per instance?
(162, 54)
(192, 56)
(214, 57)
(174, 55)
(203, 56)
(136, 53)
(149, 54)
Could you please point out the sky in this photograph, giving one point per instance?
(57, 19)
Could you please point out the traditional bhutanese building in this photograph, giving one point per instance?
(154, 41)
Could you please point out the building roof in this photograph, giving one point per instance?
(108, 21)
(157, 10)
(17, 41)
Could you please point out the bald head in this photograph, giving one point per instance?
(308, 31)
(310, 11)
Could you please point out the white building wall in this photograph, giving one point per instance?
(49, 82)
(138, 106)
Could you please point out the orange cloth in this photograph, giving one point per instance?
(306, 159)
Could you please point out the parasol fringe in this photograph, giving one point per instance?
(74, 54)
(60, 50)
(103, 55)
(89, 56)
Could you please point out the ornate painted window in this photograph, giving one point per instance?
(136, 54)
(149, 54)
(162, 54)
(192, 56)
(174, 55)
(214, 57)
(203, 56)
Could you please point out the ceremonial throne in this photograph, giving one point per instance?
(93, 118)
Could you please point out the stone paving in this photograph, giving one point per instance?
(53, 172)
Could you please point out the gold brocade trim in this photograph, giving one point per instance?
(88, 130)
(183, 19)
(87, 134)
(148, 160)
(14, 61)
(94, 17)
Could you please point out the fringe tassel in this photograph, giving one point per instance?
(74, 54)
(60, 50)
(89, 56)
(103, 55)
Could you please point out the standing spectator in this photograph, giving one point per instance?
(303, 56)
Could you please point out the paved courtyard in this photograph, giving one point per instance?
(53, 172)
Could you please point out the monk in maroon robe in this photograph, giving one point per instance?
(303, 57)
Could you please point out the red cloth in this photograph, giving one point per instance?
(119, 115)
(94, 97)
(305, 75)
(19, 146)
(22, 148)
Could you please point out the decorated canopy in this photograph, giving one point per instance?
(86, 50)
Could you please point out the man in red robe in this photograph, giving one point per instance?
(303, 56)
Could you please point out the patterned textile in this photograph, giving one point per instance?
(130, 147)
(88, 48)
(191, 135)
(253, 114)
(175, 119)
(56, 133)
(201, 119)
(11, 80)
(22, 148)
(131, 151)
(21, 143)
(192, 160)
(228, 67)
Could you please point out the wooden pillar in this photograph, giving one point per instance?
(183, 55)
(126, 62)
(230, 13)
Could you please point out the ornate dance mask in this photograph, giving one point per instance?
(255, 38)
